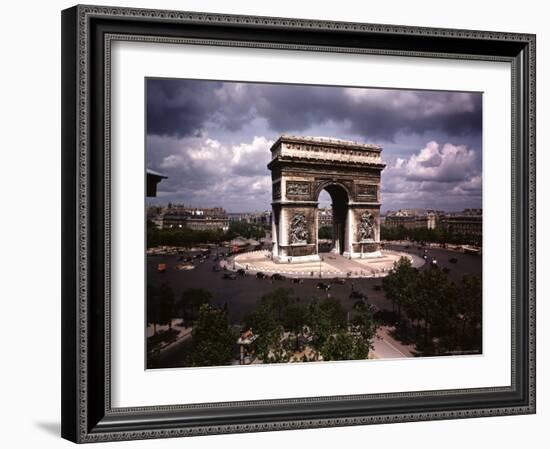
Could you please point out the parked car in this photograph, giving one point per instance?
(297, 281)
(339, 281)
(277, 277)
(261, 275)
(230, 276)
(323, 286)
(241, 272)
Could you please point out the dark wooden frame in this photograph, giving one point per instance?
(87, 32)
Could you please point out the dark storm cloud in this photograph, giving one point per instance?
(212, 139)
(183, 108)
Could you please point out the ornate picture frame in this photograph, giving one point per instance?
(87, 35)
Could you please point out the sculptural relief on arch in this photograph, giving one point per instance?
(302, 167)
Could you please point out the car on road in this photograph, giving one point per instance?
(241, 272)
(339, 281)
(297, 281)
(453, 260)
(216, 268)
(323, 286)
(277, 277)
(261, 275)
(229, 276)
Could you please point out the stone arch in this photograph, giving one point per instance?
(302, 167)
(326, 185)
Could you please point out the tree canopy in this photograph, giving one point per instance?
(213, 338)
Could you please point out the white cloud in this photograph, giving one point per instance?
(204, 171)
(448, 164)
(435, 176)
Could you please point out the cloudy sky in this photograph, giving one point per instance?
(212, 140)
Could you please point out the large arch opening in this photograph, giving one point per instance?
(333, 202)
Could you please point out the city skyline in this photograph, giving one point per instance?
(212, 140)
(153, 202)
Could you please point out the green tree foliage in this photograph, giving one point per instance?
(186, 237)
(437, 235)
(344, 346)
(324, 318)
(276, 312)
(190, 302)
(363, 322)
(400, 283)
(355, 343)
(268, 331)
(442, 315)
(325, 232)
(246, 230)
(213, 339)
(183, 237)
(468, 309)
(432, 302)
(153, 314)
(160, 305)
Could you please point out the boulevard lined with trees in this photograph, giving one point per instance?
(437, 235)
(186, 237)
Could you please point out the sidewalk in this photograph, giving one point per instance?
(386, 347)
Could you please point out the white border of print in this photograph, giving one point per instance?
(132, 385)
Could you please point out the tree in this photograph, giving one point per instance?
(399, 284)
(355, 343)
(279, 300)
(268, 331)
(190, 302)
(165, 305)
(324, 318)
(212, 338)
(363, 322)
(469, 308)
(433, 301)
(153, 315)
(325, 232)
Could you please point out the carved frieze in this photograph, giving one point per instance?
(367, 192)
(298, 188)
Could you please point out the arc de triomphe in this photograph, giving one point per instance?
(301, 167)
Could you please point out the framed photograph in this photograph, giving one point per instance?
(284, 223)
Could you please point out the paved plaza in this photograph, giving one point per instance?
(331, 265)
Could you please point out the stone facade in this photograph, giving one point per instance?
(301, 167)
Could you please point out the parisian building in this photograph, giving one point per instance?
(196, 218)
